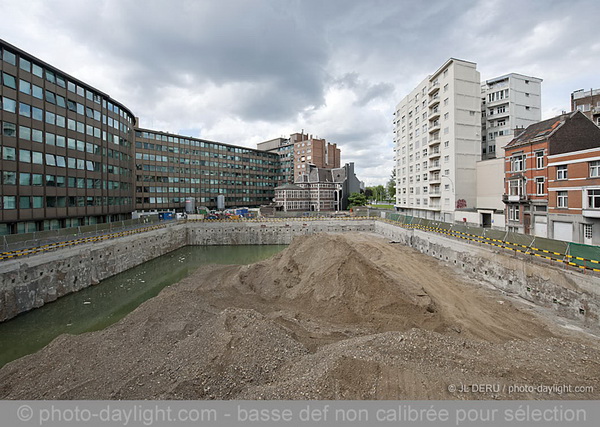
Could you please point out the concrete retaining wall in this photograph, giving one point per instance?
(33, 281)
(30, 282)
(571, 293)
(269, 233)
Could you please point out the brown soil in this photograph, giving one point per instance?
(332, 317)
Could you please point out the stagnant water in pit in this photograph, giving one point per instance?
(97, 307)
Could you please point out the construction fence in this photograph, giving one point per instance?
(24, 243)
(586, 257)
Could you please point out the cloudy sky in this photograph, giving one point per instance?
(244, 71)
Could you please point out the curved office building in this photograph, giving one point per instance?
(66, 149)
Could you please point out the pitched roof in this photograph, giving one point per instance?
(288, 186)
(539, 131)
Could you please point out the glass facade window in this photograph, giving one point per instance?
(50, 76)
(25, 156)
(9, 81)
(50, 118)
(50, 97)
(9, 153)
(24, 109)
(38, 202)
(9, 57)
(37, 158)
(9, 178)
(25, 133)
(37, 92)
(24, 65)
(9, 105)
(25, 202)
(37, 113)
(9, 202)
(37, 70)
(25, 87)
(24, 179)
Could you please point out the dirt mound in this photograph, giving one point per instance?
(331, 279)
(331, 317)
(420, 364)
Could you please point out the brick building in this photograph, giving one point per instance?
(313, 151)
(537, 183)
(574, 194)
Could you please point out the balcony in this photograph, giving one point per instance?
(434, 113)
(434, 140)
(435, 179)
(434, 127)
(434, 153)
(497, 115)
(591, 213)
(433, 166)
(434, 87)
(434, 100)
(514, 198)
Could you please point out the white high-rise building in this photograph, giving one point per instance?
(508, 102)
(438, 142)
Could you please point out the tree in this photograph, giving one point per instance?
(369, 193)
(391, 185)
(379, 193)
(357, 199)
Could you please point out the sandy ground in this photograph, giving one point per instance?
(334, 316)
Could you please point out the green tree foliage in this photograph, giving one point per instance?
(357, 199)
(379, 193)
(391, 185)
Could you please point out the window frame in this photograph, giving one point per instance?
(594, 169)
(562, 199)
(539, 185)
(562, 172)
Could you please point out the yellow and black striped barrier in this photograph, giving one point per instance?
(511, 246)
(58, 245)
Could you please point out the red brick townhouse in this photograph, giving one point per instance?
(531, 196)
(574, 191)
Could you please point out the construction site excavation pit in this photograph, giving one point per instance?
(332, 316)
(99, 306)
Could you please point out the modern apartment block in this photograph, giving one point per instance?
(66, 149)
(170, 168)
(438, 142)
(588, 102)
(284, 147)
(507, 102)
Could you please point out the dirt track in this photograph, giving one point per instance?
(332, 317)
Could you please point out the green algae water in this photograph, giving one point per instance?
(97, 307)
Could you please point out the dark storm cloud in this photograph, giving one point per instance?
(190, 44)
(249, 70)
